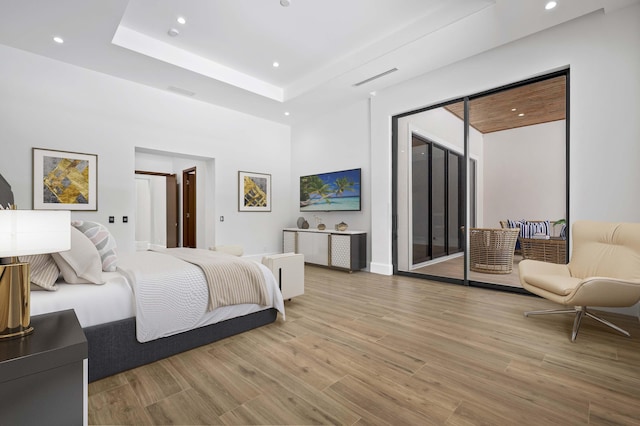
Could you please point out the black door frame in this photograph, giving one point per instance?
(466, 100)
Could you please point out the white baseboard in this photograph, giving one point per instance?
(381, 268)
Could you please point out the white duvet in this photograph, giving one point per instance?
(171, 295)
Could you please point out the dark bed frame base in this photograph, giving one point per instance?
(113, 347)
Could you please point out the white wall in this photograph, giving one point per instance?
(49, 104)
(336, 141)
(525, 174)
(602, 53)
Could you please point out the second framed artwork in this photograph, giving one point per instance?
(64, 180)
(254, 192)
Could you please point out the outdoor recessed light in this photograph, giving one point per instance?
(550, 5)
(276, 64)
(521, 114)
(58, 40)
(181, 20)
(514, 109)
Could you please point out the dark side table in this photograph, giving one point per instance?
(42, 376)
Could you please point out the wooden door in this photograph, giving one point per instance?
(189, 208)
(172, 211)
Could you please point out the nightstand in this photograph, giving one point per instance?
(43, 376)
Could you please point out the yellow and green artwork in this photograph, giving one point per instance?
(254, 192)
(65, 180)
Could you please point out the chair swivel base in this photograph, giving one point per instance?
(580, 312)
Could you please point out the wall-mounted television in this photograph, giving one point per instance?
(334, 191)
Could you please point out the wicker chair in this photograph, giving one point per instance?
(491, 250)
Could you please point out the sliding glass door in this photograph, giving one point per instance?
(472, 165)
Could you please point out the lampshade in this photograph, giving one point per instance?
(22, 233)
(26, 232)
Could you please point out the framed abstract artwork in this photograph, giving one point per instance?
(254, 192)
(64, 180)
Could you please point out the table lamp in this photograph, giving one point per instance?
(22, 233)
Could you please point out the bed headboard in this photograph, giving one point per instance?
(6, 195)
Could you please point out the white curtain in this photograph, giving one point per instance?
(151, 213)
(143, 212)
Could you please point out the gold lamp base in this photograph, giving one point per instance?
(15, 293)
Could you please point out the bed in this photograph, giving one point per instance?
(148, 285)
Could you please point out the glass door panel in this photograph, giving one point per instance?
(454, 204)
(429, 193)
(420, 197)
(438, 202)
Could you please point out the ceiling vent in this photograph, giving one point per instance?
(180, 91)
(375, 77)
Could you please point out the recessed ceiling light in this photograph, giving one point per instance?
(521, 114)
(287, 113)
(173, 32)
(550, 5)
(58, 40)
(276, 64)
(285, 3)
(181, 20)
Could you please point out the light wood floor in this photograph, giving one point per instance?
(362, 349)
(454, 268)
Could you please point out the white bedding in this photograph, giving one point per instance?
(160, 307)
(94, 304)
(172, 295)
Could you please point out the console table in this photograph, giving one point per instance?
(43, 376)
(346, 250)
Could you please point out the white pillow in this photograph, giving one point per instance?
(44, 271)
(81, 264)
(102, 239)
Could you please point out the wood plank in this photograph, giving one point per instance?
(370, 349)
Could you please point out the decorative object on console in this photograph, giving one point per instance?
(64, 180)
(24, 233)
(254, 192)
(341, 226)
(321, 226)
(300, 221)
(305, 225)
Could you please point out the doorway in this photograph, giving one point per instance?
(156, 210)
(476, 162)
(189, 204)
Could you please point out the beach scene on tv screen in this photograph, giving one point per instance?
(335, 191)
